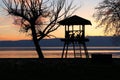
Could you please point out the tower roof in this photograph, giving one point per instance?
(75, 20)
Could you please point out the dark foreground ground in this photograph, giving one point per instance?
(59, 69)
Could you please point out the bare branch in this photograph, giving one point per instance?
(34, 12)
(108, 16)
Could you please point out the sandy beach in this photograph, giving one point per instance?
(55, 68)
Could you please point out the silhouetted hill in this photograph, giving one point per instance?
(20, 43)
(94, 41)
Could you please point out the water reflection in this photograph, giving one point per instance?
(54, 52)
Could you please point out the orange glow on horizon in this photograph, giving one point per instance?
(11, 32)
(14, 38)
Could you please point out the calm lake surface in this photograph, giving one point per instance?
(54, 52)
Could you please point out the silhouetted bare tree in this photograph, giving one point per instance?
(108, 16)
(38, 17)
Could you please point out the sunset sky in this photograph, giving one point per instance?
(9, 31)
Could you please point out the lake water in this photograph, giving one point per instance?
(54, 52)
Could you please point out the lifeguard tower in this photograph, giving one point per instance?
(75, 35)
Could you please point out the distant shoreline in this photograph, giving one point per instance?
(94, 41)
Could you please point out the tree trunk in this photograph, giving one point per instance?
(38, 49)
(36, 43)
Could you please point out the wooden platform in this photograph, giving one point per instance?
(75, 40)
